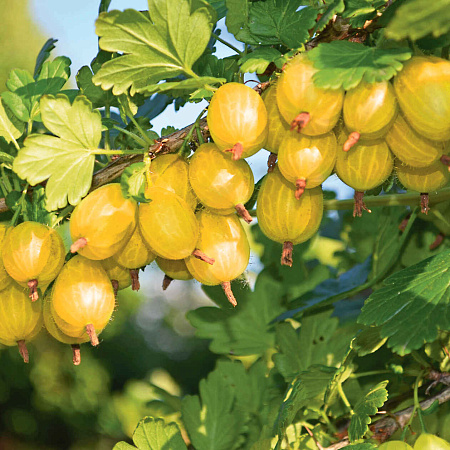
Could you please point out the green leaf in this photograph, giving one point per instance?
(243, 330)
(345, 64)
(132, 182)
(155, 434)
(237, 15)
(43, 55)
(210, 66)
(178, 88)
(417, 18)
(210, 419)
(25, 92)
(366, 407)
(10, 127)
(368, 341)
(413, 304)
(275, 22)
(358, 11)
(66, 159)
(309, 386)
(157, 45)
(317, 342)
(258, 60)
(220, 7)
(334, 7)
(95, 94)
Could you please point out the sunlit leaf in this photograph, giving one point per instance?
(345, 64)
(418, 18)
(413, 304)
(366, 407)
(66, 160)
(156, 44)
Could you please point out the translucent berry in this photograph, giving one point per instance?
(33, 254)
(83, 298)
(171, 172)
(120, 276)
(174, 269)
(285, 219)
(423, 92)
(102, 222)
(307, 161)
(237, 120)
(222, 238)
(221, 183)
(21, 320)
(306, 107)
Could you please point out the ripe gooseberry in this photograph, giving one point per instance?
(365, 166)
(224, 239)
(134, 255)
(177, 238)
(21, 320)
(221, 184)
(174, 269)
(33, 254)
(277, 126)
(411, 147)
(56, 333)
(423, 92)
(102, 222)
(237, 120)
(369, 111)
(83, 298)
(171, 172)
(120, 276)
(427, 441)
(423, 180)
(310, 109)
(285, 219)
(307, 161)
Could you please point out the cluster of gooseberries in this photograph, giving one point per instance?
(425, 441)
(190, 224)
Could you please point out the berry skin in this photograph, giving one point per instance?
(310, 109)
(56, 333)
(423, 92)
(428, 441)
(168, 224)
(171, 172)
(307, 161)
(277, 126)
(102, 223)
(285, 219)
(83, 298)
(33, 254)
(120, 276)
(366, 165)
(134, 255)
(174, 269)
(5, 279)
(410, 147)
(21, 320)
(369, 110)
(237, 120)
(222, 238)
(221, 184)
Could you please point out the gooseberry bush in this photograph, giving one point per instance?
(344, 341)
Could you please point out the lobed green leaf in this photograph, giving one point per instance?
(345, 64)
(416, 19)
(66, 160)
(366, 407)
(10, 127)
(412, 305)
(156, 44)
